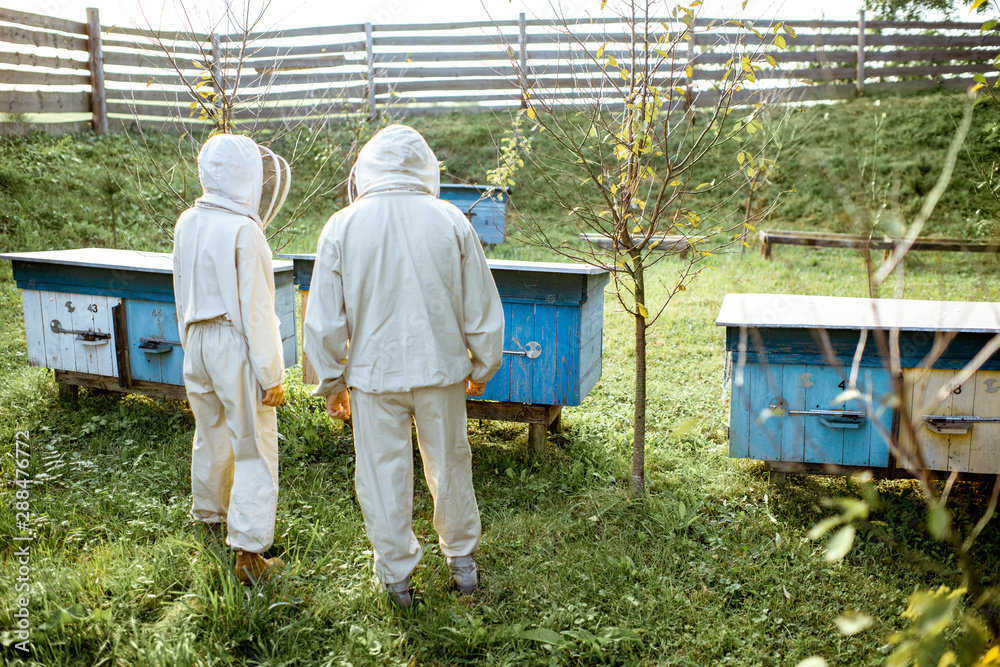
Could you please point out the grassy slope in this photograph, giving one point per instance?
(715, 569)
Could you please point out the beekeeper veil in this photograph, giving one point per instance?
(395, 159)
(239, 176)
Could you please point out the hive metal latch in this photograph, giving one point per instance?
(89, 337)
(956, 424)
(834, 418)
(532, 350)
(157, 345)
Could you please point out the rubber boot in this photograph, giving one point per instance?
(252, 567)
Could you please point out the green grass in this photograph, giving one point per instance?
(713, 568)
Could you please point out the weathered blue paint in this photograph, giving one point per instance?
(154, 319)
(488, 214)
(760, 433)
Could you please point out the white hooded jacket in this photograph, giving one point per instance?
(222, 263)
(401, 296)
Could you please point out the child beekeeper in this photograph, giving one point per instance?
(403, 319)
(233, 367)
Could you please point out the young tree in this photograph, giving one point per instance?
(230, 85)
(629, 142)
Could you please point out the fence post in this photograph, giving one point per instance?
(370, 56)
(522, 57)
(98, 95)
(860, 77)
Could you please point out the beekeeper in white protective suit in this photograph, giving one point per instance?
(233, 368)
(404, 315)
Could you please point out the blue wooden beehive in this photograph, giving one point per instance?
(86, 310)
(552, 343)
(488, 214)
(791, 357)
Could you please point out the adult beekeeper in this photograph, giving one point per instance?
(233, 367)
(403, 319)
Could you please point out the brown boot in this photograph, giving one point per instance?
(252, 567)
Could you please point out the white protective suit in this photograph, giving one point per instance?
(402, 309)
(224, 291)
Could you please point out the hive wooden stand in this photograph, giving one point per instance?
(769, 237)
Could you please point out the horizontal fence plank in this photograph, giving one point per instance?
(934, 55)
(293, 33)
(111, 32)
(151, 77)
(150, 59)
(21, 77)
(187, 49)
(44, 22)
(164, 110)
(149, 95)
(435, 27)
(444, 40)
(444, 84)
(15, 35)
(933, 41)
(800, 23)
(332, 60)
(261, 52)
(271, 79)
(34, 60)
(923, 25)
(21, 101)
(305, 96)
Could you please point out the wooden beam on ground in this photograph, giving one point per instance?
(110, 383)
(768, 238)
(670, 244)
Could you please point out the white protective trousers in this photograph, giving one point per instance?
(234, 460)
(384, 473)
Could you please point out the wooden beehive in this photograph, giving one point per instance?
(485, 207)
(792, 356)
(554, 317)
(106, 318)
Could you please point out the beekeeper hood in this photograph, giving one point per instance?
(239, 176)
(395, 159)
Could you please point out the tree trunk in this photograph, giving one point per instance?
(639, 419)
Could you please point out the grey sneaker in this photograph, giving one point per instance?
(401, 593)
(465, 573)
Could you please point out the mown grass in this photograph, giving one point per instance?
(714, 567)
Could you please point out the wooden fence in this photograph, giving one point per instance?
(68, 73)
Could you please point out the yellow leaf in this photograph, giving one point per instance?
(976, 5)
(194, 105)
(770, 60)
(150, 82)
(600, 51)
(603, 2)
(531, 113)
(689, 71)
(197, 64)
(643, 311)
(779, 41)
(674, 183)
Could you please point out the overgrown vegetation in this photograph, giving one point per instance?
(713, 568)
